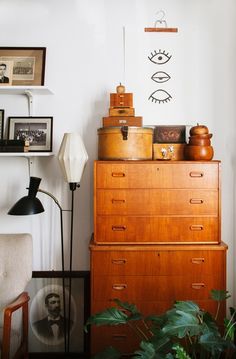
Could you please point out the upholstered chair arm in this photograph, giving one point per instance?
(20, 303)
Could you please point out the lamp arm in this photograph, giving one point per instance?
(51, 195)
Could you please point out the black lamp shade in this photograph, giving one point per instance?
(29, 204)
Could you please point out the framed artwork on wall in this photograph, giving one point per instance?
(46, 287)
(38, 131)
(22, 66)
(1, 123)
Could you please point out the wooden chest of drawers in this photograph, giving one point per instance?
(156, 240)
(152, 277)
(156, 202)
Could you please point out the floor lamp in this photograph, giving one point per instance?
(73, 158)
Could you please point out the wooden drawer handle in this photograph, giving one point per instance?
(196, 174)
(198, 285)
(117, 200)
(118, 228)
(119, 336)
(121, 103)
(118, 174)
(198, 260)
(196, 201)
(119, 286)
(196, 227)
(119, 261)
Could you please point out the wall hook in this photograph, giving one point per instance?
(160, 22)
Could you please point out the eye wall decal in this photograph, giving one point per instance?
(160, 96)
(160, 77)
(160, 57)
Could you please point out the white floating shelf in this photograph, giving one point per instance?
(26, 154)
(22, 90)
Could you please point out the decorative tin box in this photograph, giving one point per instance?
(169, 134)
(168, 151)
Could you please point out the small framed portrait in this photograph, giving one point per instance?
(48, 315)
(24, 66)
(6, 73)
(37, 132)
(1, 124)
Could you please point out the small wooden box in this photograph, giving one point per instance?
(121, 111)
(169, 134)
(121, 100)
(122, 121)
(168, 151)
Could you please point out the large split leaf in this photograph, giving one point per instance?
(110, 316)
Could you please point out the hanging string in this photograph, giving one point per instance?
(124, 54)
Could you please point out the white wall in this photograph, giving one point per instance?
(84, 41)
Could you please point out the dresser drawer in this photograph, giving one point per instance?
(151, 174)
(127, 229)
(173, 262)
(157, 202)
(190, 286)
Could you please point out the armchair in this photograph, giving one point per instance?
(15, 273)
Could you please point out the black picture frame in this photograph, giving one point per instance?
(36, 130)
(1, 124)
(27, 65)
(41, 284)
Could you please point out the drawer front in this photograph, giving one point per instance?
(125, 229)
(155, 288)
(121, 100)
(157, 175)
(157, 262)
(157, 202)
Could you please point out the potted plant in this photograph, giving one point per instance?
(185, 331)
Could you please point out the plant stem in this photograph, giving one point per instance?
(140, 334)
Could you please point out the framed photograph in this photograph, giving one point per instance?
(36, 130)
(22, 66)
(1, 124)
(46, 302)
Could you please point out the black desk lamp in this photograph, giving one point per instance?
(73, 158)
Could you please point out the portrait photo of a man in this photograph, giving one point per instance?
(6, 72)
(49, 327)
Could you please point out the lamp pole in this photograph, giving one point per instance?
(62, 264)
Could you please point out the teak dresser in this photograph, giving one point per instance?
(156, 239)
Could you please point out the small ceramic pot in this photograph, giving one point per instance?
(198, 153)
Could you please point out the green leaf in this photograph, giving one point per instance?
(219, 295)
(180, 352)
(147, 352)
(182, 324)
(110, 316)
(127, 306)
(212, 343)
(188, 307)
(108, 353)
(209, 324)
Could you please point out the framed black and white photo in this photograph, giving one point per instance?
(1, 124)
(37, 131)
(25, 65)
(46, 300)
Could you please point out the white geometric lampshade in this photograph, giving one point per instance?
(72, 157)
